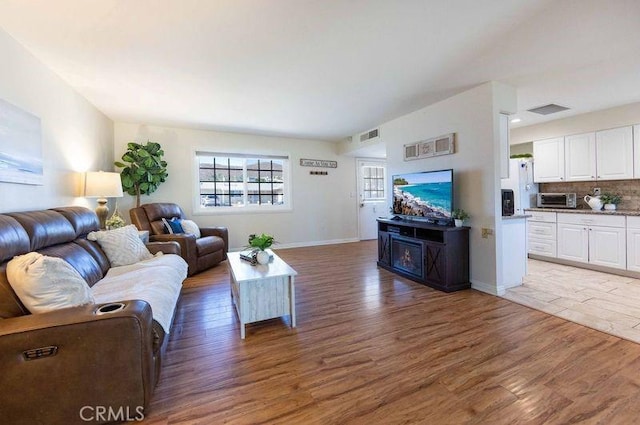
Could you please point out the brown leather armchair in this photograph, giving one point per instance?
(201, 253)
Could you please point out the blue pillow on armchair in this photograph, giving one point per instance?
(173, 226)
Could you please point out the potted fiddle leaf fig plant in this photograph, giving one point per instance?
(143, 169)
(610, 200)
(459, 216)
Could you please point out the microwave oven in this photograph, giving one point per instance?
(556, 200)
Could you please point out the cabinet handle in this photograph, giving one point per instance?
(561, 178)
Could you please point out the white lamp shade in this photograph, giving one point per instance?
(100, 184)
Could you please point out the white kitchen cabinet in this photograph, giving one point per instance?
(614, 154)
(549, 160)
(592, 238)
(541, 233)
(636, 151)
(580, 157)
(573, 242)
(633, 243)
(607, 247)
(504, 146)
(633, 250)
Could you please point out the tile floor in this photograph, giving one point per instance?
(601, 301)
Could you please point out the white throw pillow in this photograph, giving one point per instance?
(47, 283)
(122, 246)
(191, 227)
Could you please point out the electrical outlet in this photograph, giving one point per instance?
(596, 191)
(486, 232)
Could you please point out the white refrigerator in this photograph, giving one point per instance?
(521, 182)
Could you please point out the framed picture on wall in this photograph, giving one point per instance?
(20, 146)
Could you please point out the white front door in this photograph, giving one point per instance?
(372, 191)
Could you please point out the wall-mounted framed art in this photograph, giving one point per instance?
(20, 146)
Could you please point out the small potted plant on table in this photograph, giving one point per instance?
(610, 200)
(459, 216)
(261, 242)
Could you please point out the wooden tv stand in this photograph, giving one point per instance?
(437, 256)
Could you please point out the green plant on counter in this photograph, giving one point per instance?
(261, 242)
(610, 198)
(521, 155)
(459, 214)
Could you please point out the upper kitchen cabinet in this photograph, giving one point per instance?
(580, 157)
(549, 160)
(614, 154)
(636, 151)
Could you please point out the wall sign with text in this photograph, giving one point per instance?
(318, 163)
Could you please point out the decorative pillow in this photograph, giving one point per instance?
(122, 246)
(191, 227)
(176, 226)
(167, 227)
(47, 283)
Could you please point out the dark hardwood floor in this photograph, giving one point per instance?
(374, 348)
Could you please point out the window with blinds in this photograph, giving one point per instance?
(242, 181)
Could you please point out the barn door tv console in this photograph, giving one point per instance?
(437, 256)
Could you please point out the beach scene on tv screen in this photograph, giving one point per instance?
(423, 194)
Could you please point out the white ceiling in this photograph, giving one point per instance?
(328, 69)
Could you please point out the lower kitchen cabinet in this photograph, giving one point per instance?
(541, 233)
(573, 242)
(633, 244)
(607, 247)
(593, 239)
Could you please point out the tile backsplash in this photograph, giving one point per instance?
(628, 189)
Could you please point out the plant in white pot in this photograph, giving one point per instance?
(459, 216)
(261, 242)
(610, 200)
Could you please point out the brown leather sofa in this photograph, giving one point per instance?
(201, 253)
(54, 364)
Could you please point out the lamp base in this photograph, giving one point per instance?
(102, 211)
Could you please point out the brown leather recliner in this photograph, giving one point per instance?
(201, 253)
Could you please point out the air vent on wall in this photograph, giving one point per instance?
(369, 135)
(551, 108)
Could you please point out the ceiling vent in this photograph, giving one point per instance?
(551, 108)
(369, 135)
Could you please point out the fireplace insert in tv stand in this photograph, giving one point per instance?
(437, 256)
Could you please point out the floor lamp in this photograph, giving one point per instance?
(102, 185)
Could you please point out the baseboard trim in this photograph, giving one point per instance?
(486, 288)
(315, 243)
(278, 246)
(603, 269)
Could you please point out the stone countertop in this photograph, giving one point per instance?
(515, 217)
(586, 211)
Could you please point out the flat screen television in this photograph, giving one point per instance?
(427, 195)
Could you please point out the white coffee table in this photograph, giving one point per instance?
(262, 292)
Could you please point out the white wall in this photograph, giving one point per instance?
(324, 207)
(76, 136)
(583, 123)
(474, 117)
